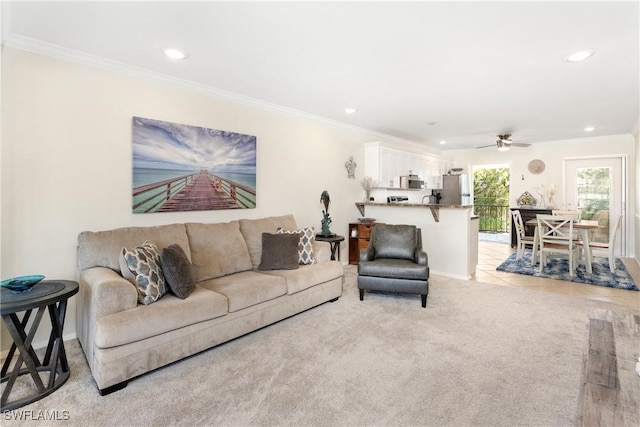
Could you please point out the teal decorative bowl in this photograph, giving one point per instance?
(22, 283)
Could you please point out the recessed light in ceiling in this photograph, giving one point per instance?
(589, 129)
(174, 53)
(579, 56)
(350, 110)
(443, 142)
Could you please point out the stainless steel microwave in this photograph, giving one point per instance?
(411, 181)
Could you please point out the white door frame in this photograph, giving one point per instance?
(624, 196)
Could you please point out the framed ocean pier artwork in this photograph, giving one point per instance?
(180, 167)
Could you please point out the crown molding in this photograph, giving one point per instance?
(16, 41)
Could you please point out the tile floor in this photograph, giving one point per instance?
(491, 254)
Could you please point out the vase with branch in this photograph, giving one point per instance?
(368, 183)
(546, 195)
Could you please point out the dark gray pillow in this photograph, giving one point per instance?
(279, 251)
(178, 271)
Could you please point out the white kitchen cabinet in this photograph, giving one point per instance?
(386, 165)
(390, 164)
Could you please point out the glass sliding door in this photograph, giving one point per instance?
(595, 187)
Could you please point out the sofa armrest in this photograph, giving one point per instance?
(102, 292)
(106, 292)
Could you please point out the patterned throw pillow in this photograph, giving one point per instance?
(305, 246)
(141, 266)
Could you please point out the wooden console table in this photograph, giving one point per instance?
(359, 235)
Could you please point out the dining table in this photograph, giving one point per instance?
(583, 226)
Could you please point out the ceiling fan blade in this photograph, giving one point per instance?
(519, 144)
(485, 146)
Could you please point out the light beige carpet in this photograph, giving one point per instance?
(479, 354)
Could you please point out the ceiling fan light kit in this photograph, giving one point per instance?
(504, 143)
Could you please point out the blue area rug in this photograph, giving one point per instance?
(558, 268)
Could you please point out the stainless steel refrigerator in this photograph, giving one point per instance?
(456, 190)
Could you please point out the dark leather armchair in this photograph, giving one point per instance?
(394, 262)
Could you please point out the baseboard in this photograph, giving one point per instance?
(453, 276)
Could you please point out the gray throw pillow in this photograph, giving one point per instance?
(178, 271)
(279, 251)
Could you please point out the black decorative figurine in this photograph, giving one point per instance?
(326, 219)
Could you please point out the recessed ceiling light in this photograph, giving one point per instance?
(350, 110)
(579, 56)
(174, 53)
(589, 129)
(443, 142)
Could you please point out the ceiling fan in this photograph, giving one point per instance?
(504, 143)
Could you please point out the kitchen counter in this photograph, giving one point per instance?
(449, 235)
(435, 208)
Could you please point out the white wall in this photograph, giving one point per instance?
(66, 160)
(553, 154)
(636, 211)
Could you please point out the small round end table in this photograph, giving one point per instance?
(334, 241)
(48, 295)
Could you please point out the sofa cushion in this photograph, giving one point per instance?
(252, 230)
(309, 275)
(217, 250)
(395, 241)
(142, 267)
(166, 315)
(102, 248)
(279, 252)
(247, 288)
(306, 254)
(178, 271)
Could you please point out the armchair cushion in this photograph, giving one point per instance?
(394, 268)
(394, 241)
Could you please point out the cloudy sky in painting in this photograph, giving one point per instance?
(165, 145)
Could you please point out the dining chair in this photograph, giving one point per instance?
(522, 239)
(607, 249)
(575, 214)
(555, 234)
(576, 217)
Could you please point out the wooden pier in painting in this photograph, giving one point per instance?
(200, 191)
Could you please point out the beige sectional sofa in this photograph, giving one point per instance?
(122, 338)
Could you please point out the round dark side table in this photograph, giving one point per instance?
(334, 242)
(51, 296)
